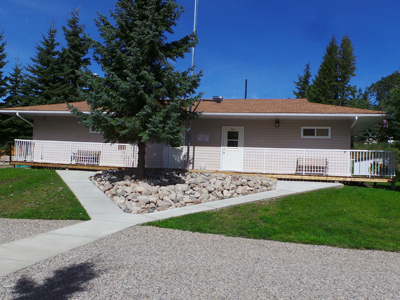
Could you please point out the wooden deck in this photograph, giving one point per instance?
(63, 166)
(392, 181)
(275, 176)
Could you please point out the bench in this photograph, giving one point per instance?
(87, 157)
(311, 166)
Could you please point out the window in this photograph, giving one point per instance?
(316, 132)
(233, 139)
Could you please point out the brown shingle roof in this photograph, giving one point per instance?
(267, 106)
(83, 106)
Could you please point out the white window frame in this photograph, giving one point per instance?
(315, 128)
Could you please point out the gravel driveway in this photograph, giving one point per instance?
(152, 263)
(15, 229)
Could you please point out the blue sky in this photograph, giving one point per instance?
(267, 42)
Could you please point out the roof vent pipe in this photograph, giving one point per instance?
(245, 89)
(218, 99)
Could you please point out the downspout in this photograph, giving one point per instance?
(354, 122)
(351, 128)
(23, 119)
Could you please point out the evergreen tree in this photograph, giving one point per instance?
(324, 86)
(16, 91)
(10, 126)
(346, 71)
(3, 55)
(358, 99)
(332, 83)
(303, 84)
(142, 98)
(74, 57)
(45, 74)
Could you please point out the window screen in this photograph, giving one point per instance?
(233, 139)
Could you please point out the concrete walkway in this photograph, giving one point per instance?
(107, 218)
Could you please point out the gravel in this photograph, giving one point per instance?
(15, 229)
(154, 263)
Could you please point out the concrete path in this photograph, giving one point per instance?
(107, 218)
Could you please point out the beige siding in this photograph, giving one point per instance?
(257, 134)
(63, 129)
(208, 157)
(263, 133)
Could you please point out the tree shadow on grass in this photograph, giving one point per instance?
(60, 286)
(385, 186)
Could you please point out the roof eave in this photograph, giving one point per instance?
(38, 113)
(291, 115)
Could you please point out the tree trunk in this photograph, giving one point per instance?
(141, 167)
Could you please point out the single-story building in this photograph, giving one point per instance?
(271, 136)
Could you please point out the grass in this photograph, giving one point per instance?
(352, 217)
(37, 194)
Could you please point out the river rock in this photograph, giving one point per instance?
(168, 189)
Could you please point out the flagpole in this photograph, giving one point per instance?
(196, 5)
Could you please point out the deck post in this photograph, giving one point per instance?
(41, 152)
(70, 153)
(265, 161)
(101, 154)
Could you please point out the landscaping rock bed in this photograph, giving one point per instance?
(167, 189)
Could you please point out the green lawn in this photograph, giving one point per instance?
(37, 194)
(352, 217)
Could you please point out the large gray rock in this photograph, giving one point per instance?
(143, 199)
(169, 190)
(163, 204)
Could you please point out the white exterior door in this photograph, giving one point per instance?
(232, 148)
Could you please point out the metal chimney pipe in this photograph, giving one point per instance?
(245, 89)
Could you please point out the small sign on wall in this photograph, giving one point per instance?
(203, 137)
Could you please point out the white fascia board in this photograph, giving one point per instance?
(44, 112)
(275, 115)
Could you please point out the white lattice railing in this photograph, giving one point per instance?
(255, 160)
(319, 162)
(96, 154)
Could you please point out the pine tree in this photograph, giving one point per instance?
(142, 98)
(45, 74)
(346, 71)
(74, 57)
(16, 87)
(324, 86)
(303, 84)
(10, 126)
(3, 62)
(332, 83)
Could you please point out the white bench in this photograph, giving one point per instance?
(317, 166)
